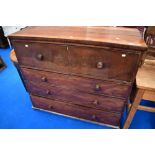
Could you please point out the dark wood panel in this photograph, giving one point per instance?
(76, 97)
(97, 63)
(42, 55)
(76, 111)
(105, 36)
(103, 63)
(87, 85)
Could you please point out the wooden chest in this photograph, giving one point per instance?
(83, 72)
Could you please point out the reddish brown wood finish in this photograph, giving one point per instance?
(76, 111)
(79, 60)
(116, 64)
(76, 97)
(86, 72)
(54, 57)
(103, 36)
(87, 85)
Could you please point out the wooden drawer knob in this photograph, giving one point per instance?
(97, 87)
(40, 57)
(100, 65)
(44, 79)
(48, 92)
(95, 102)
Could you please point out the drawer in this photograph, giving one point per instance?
(76, 97)
(76, 111)
(40, 55)
(87, 85)
(93, 62)
(103, 63)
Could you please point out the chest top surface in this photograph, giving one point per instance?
(100, 36)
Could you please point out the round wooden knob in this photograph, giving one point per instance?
(48, 92)
(100, 65)
(95, 102)
(44, 79)
(97, 87)
(40, 57)
(93, 116)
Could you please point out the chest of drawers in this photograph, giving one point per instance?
(83, 72)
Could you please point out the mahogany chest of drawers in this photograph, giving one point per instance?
(83, 72)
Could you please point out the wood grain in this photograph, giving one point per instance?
(76, 110)
(86, 85)
(55, 57)
(149, 95)
(76, 97)
(79, 60)
(145, 108)
(84, 60)
(134, 107)
(145, 78)
(105, 36)
(86, 72)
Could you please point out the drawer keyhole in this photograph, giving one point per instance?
(97, 87)
(100, 65)
(94, 117)
(44, 79)
(48, 92)
(40, 57)
(96, 102)
(51, 107)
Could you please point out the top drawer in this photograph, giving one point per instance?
(103, 63)
(99, 63)
(44, 56)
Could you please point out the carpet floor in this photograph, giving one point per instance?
(16, 109)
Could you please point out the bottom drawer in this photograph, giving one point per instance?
(76, 111)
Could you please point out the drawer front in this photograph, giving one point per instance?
(98, 63)
(86, 85)
(76, 111)
(76, 97)
(103, 63)
(42, 55)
